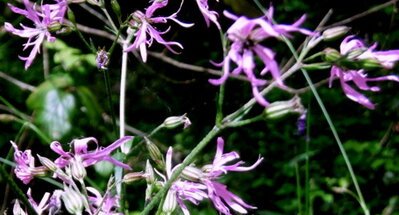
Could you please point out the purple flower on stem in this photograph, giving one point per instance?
(184, 190)
(25, 168)
(105, 205)
(355, 49)
(246, 35)
(145, 33)
(43, 18)
(209, 15)
(217, 192)
(88, 158)
(43, 204)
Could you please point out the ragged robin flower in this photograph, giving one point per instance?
(145, 33)
(355, 51)
(246, 36)
(44, 18)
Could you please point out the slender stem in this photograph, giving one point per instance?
(338, 140)
(220, 98)
(189, 159)
(307, 167)
(46, 63)
(298, 188)
(246, 121)
(109, 98)
(363, 14)
(110, 19)
(123, 92)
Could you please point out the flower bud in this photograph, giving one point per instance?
(39, 171)
(17, 210)
(331, 55)
(335, 32)
(94, 2)
(48, 163)
(170, 202)
(78, 171)
(192, 173)
(102, 59)
(54, 26)
(116, 8)
(370, 64)
(281, 108)
(133, 176)
(149, 172)
(73, 201)
(6, 118)
(174, 121)
(155, 153)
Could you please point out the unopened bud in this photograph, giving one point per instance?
(54, 26)
(78, 171)
(281, 108)
(170, 202)
(331, 55)
(6, 118)
(64, 30)
(192, 173)
(149, 172)
(370, 64)
(39, 171)
(133, 176)
(17, 210)
(155, 153)
(73, 201)
(174, 121)
(94, 2)
(48, 163)
(335, 32)
(116, 8)
(102, 59)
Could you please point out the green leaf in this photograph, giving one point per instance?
(71, 59)
(54, 106)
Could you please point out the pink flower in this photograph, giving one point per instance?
(142, 23)
(209, 15)
(246, 35)
(88, 158)
(105, 205)
(182, 189)
(222, 198)
(355, 50)
(25, 168)
(42, 17)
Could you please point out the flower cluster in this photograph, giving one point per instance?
(198, 184)
(355, 51)
(246, 36)
(44, 18)
(69, 168)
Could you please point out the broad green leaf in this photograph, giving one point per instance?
(54, 106)
(71, 59)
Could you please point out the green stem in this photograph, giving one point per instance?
(188, 160)
(109, 98)
(246, 121)
(338, 140)
(220, 98)
(307, 168)
(298, 188)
